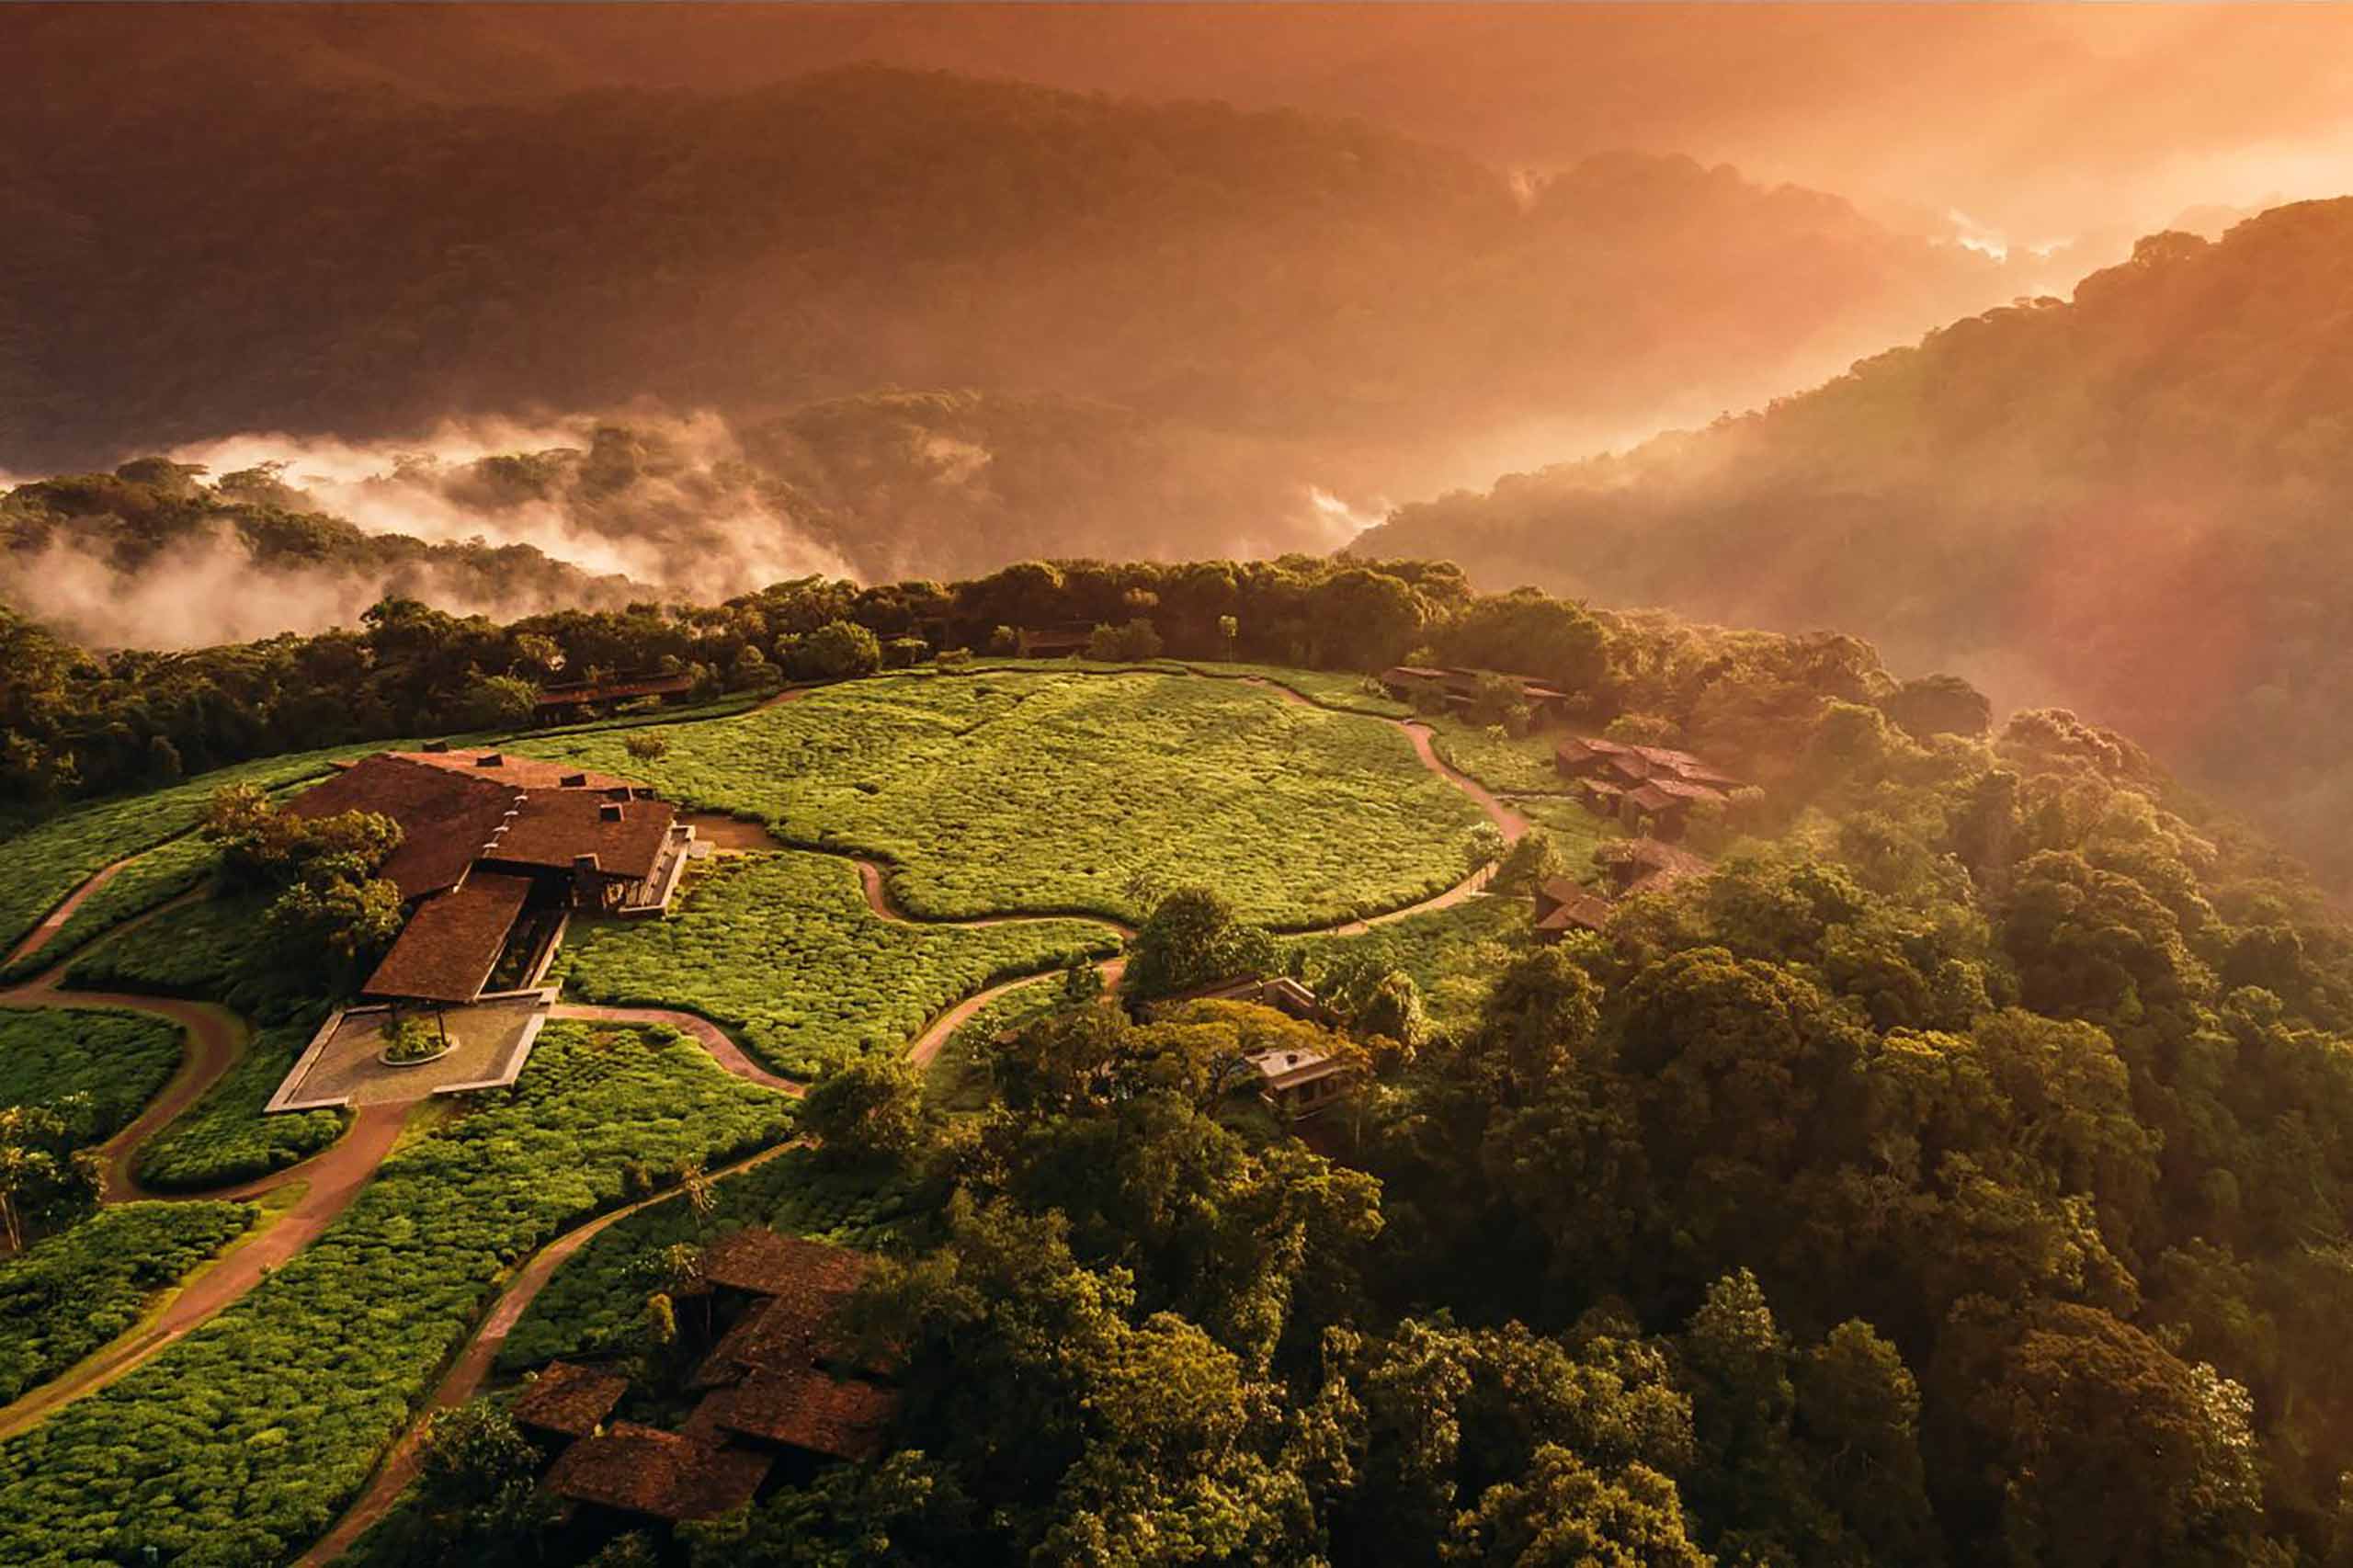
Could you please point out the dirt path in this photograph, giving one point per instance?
(38, 938)
(331, 1178)
(215, 1038)
(925, 1046)
(713, 1038)
(472, 1367)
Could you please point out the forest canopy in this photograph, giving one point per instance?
(2132, 502)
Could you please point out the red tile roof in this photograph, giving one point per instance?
(446, 818)
(806, 1283)
(522, 772)
(803, 1408)
(663, 1475)
(555, 827)
(568, 1399)
(451, 943)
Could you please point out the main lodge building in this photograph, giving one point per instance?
(495, 851)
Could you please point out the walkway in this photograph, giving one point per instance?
(473, 1364)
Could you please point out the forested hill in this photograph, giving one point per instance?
(2133, 503)
(363, 261)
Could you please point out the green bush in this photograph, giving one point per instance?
(783, 948)
(242, 1440)
(1047, 793)
(118, 1060)
(224, 1137)
(68, 1294)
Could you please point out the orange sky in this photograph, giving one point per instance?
(2036, 121)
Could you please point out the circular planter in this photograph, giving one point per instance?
(384, 1059)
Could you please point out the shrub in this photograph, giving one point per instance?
(70, 1293)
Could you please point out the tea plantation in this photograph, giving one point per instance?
(782, 948)
(239, 1444)
(224, 1138)
(1052, 792)
(118, 1060)
(68, 1294)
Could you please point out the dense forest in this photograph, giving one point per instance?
(369, 262)
(2133, 502)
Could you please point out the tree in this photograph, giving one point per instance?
(1193, 938)
(1133, 643)
(497, 702)
(871, 1109)
(1482, 847)
(647, 745)
(835, 651)
(1562, 1514)
(478, 1483)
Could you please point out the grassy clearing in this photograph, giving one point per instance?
(1452, 954)
(242, 1440)
(1508, 765)
(1048, 792)
(224, 1138)
(68, 1294)
(595, 1303)
(119, 1059)
(782, 948)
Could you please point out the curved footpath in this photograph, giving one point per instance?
(473, 1365)
(216, 1038)
(38, 938)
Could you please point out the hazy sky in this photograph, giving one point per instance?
(2037, 121)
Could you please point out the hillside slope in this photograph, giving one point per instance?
(360, 260)
(2132, 502)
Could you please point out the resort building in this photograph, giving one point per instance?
(1563, 906)
(1456, 687)
(1649, 789)
(555, 701)
(1297, 1084)
(496, 852)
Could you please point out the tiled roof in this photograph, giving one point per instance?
(445, 817)
(522, 772)
(557, 826)
(659, 1473)
(607, 690)
(568, 1399)
(807, 1409)
(1579, 912)
(449, 945)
